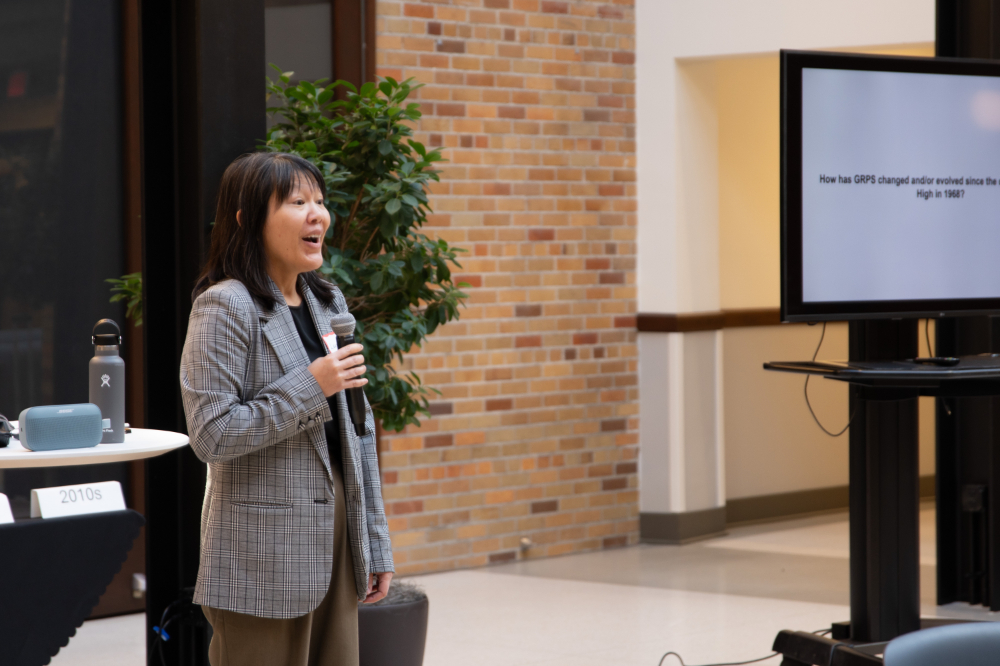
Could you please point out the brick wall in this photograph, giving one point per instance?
(536, 433)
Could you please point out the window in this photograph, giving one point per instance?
(61, 229)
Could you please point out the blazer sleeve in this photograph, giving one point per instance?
(378, 527)
(214, 365)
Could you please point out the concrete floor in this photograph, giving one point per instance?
(722, 599)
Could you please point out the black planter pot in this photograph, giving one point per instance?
(393, 632)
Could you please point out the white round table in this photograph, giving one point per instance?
(140, 443)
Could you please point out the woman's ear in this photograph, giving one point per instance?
(239, 222)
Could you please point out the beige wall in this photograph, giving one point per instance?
(708, 238)
(675, 271)
(747, 95)
(749, 168)
(772, 443)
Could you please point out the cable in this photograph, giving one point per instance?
(177, 611)
(805, 391)
(818, 632)
(930, 352)
(725, 663)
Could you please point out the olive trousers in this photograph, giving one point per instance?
(328, 636)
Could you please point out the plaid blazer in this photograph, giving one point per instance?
(255, 414)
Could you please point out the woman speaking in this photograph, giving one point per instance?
(293, 529)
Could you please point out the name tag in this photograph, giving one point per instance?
(77, 500)
(5, 514)
(331, 341)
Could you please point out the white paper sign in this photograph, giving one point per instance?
(76, 500)
(5, 514)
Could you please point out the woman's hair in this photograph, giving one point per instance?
(250, 185)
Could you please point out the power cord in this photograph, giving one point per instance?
(930, 352)
(805, 391)
(818, 632)
(181, 610)
(727, 663)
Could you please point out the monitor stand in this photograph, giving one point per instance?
(884, 501)
(884, 490)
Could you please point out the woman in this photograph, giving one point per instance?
(293, 529)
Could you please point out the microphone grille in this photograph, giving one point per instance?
(342, 324)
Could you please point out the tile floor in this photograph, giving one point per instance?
(717, 600)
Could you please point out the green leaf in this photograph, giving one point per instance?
(387, 226)
(393, 206)
(385, 146)
(128, 288)
(297, 94)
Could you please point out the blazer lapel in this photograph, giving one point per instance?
(280, 331)
(321, 318)
(320, 313)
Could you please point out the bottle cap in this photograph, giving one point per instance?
(106, 338)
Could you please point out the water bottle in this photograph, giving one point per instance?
(107, 381)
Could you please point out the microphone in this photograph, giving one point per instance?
(343, 328)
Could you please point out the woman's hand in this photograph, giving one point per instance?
(340, 370)
(378, 590)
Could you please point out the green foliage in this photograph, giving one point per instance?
(396, 280)
(129, 288)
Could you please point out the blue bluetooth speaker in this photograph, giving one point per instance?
(55, 427)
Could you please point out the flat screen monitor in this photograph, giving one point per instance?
(890, 187)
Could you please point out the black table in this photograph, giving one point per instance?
(53, 574)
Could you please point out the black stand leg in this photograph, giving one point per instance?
(884, 509)
(885, 560)
(885, 566)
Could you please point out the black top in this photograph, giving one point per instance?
(316, 348)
